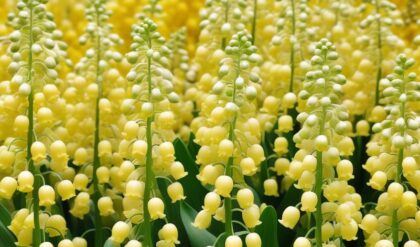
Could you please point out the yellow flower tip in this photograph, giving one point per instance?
(253, 240)
(120, 232)
(223, 185)
(256, 152)
(233, 241)
(202, 219)
(302, 242)
(290, 217)
(156, 208)
(271, 187)
(176, 192)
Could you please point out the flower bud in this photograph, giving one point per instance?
(253, 240)
(245, 198)
(302, 242)
(233, 241)
(56, 226)
(176, 192)
(156, 208)
(308, 201)
(349, 230)
(25, 181)
(133, 243)
(177, 170)
(134, 189)
(223, 185)
(285, 123)
(290, 217)
(251, 216)
(321, 143)
(202, 219)
(79, 242)
(80, 182)
(384, 243)
(378, 180)
(66, 189)
(38, 152)
(8, 186)
(271, 187)
(120, 232)
(169, 232)
(345, 170)
(65, 243)
(46, 195)
(248, 166)
(105, 206)
(369, 223)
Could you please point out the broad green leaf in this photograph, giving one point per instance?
(5, 217)
(198, 237)
(193, 189)
(268, 227)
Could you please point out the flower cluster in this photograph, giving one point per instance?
(318, 168)
(393, 150)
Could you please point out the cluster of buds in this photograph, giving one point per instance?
(146, 145)
(394, 151)
(226, 128)
(317, 166)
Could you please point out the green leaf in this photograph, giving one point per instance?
(5, 217)
(268, 227)
(193, 189)
(198, 237)
(6, 237)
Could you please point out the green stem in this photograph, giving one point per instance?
(379, 51)
(254, 21)
(96, 159)
(318, 187)
(148, 185)
(226, 20)
(149, 162)
(292, 49)
(36, 237)
(395, 223)
(228, 201)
